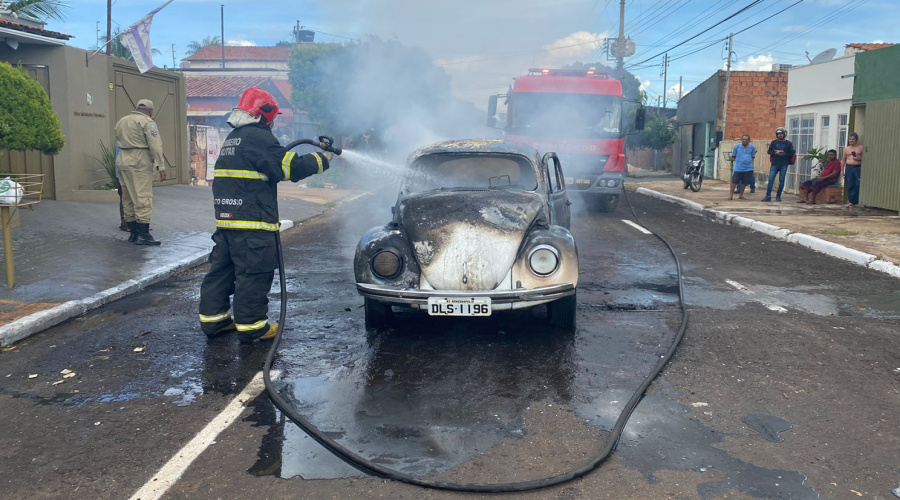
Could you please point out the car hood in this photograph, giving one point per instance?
(467, 240)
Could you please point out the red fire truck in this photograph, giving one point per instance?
(578, 115)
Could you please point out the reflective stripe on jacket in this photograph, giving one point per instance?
(251, 163)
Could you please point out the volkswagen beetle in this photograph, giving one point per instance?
(479, 226)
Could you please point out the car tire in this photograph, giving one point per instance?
(561, 312)
(378, 314)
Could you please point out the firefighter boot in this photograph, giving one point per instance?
(218, 330)
(144, 237)
(268, 334)
(132, 226)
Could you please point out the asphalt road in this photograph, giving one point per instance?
(786, 386)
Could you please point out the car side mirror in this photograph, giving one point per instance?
(640, 118)
(492, 105)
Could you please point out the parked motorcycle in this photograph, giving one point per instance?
(693, 176)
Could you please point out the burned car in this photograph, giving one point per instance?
(479, 226)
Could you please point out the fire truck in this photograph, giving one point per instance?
(579, 115)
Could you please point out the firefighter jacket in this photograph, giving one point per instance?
(139, 143)
(251, 163)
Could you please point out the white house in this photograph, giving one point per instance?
(818, 107)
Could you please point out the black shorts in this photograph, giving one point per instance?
(742, 177)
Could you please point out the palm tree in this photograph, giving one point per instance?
(195, 45)
(39, 9)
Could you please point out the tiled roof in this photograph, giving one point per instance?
(5, 23)
(869, 46)
(235, 53)
(231, 86)
(284, 86)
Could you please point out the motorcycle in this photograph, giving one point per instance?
(693, 176)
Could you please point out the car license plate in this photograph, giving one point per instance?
(570, 180)
(459, 306)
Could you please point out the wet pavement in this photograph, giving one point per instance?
(805, 342)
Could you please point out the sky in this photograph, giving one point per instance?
(484, 44)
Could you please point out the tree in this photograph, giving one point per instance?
(194, 46)
(380, 92)
(659, 133)
(27, 120)
(40, 9)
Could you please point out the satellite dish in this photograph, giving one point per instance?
(825, 55)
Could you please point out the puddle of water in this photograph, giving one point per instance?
(768, 426)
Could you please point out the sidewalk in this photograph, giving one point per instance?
(864, 236)
(71, 257)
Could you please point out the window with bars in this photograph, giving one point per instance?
(825, 132)
(801, 131)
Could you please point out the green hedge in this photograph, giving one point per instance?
(27, 120)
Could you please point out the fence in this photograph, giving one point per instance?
(796, 174)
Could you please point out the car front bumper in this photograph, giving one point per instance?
(516, 299)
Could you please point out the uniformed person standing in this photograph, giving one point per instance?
(251, 163)
(140, 155)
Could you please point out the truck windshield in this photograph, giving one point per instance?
(571, 115)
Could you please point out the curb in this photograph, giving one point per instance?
(37, 322)
(827, 247)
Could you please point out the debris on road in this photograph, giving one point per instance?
(699, 404)
(33, 375)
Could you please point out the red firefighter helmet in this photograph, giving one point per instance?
(259, 103)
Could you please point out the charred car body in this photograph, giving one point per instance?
(479, 226)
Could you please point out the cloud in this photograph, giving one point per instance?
(578, 45)
(673, 92)
(237, 42)
(645, 84)
(755, 63)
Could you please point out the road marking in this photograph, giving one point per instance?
(639, 228)
(157, 486)
(736, 285)
(773, 307)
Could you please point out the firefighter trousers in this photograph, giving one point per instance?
(242, 264)
(137, 191)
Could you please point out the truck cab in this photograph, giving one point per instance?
(579, 115)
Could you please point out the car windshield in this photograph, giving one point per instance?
(571, 115)
(470, 171)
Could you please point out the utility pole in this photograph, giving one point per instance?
(620, 58)
(665, 77)
(174, 68)
(727, 81)
(680, 88)
(108, 26)
(223, 36)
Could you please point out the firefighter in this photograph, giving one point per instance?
(140, 154)
(251, 163)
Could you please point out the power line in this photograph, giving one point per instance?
(747, 7)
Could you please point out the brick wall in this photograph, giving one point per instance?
(756, 104)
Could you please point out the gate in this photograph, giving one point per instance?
(880, 183)
(132, 87)
(32, 162)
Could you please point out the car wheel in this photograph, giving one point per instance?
(607, 204)
(561, 312)
(378, 314)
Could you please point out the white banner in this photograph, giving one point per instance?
(212, 152)
(136, 38)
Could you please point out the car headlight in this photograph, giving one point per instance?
(386, 264)
(612, 183)
(543, 260)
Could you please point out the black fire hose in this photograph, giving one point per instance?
(374, 469)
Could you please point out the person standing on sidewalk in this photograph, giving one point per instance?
(852, 161)
(140, 154)
(742, 155)
(781, 154)
(251, 163)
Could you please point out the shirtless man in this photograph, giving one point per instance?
(852, 165)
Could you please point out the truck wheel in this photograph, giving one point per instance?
(378, 314)
(608, 204)
(561, 312)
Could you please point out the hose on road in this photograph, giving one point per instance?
(374, 469)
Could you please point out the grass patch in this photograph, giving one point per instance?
(839, 232)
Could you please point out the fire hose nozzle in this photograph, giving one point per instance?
(327, 144)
